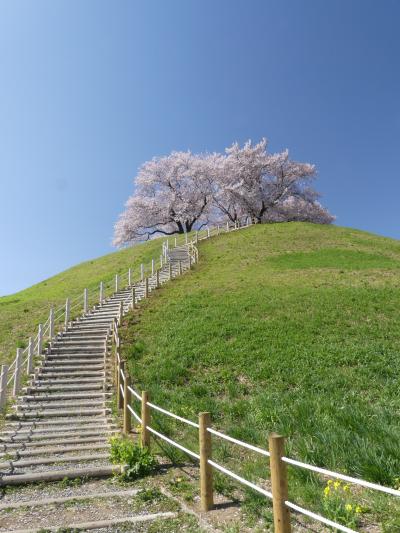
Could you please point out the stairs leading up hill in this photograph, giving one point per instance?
(61, 422)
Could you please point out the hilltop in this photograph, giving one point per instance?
(288, 327)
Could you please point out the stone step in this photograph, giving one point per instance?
(57, 413)
(49, 404)
(65, 499)
(46, 381)
(58, 475)
(56, 397)
(56, 441)
(106, 524)
(73, 356)
(70, 437)
(22, 463)
(65, 374)
(26, 432)
(55, 450)
(62, 361)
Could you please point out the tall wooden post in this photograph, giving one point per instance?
(67, 313)
(29, 366)
(157, 279)
(175, 242)
(116, 283)
(127, 401)
(152, 267)
(146, 288)
(206, 474)
(121, 312)
(101, 294)
(170, 270)
(227, 226)
(17, 372)
(120, 382)
(133, 296)
(145, 412)
(85, 301)
(3, 386)
(51, 324)
(40, 340)
(279, 484)
(129, 277)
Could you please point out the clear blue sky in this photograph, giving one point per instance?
(91, 89)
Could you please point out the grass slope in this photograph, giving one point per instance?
(293, 328)
(20, 313)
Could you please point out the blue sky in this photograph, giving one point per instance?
(89, 90)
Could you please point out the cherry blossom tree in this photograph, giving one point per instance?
(183, 191)
(266, 187)
(172, 195)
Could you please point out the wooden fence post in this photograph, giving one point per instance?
(145, 412)
(127, 401)
(17, 372)
(116, 283)
(51, 324)
(40, 340)
(146, 288)
(227, 226)
(279, 484)
(208, 233)
(29, 366)
(85, 301)
(101, 295)
(67, 312)
(122, 367)
(186, 237)
(206, 474)
(170, 270)
(3, 386)
(175, 242)
(157, 278)
(121, 312)
(152, 267)
(133, 296)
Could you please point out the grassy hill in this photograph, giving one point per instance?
(293, 328)
(20, 313)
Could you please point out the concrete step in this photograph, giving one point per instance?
(69, 437)
(38, 405)
(64, 361)
(58, 475)
(54, 450)
(75, 396)
(57, 413)
(63, 373)
(48, 381)
(22, 463)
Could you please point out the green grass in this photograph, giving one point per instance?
(21, 313)
(293, 328)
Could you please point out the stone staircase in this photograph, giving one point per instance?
(61, 423)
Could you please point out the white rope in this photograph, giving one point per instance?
(239, 478)
(170, 441)
(330, 473)
(137, 395)
(122, 391)
(239, 442)
(122, 373)
(134, 414)
(319, 518)
(168, 413)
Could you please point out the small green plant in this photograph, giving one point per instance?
(137, 461)
(339, 505)
(149, 495)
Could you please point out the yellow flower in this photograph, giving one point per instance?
(327, 490)
(358, 509)
(330, 482)
(346, 488)
(348, 507)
